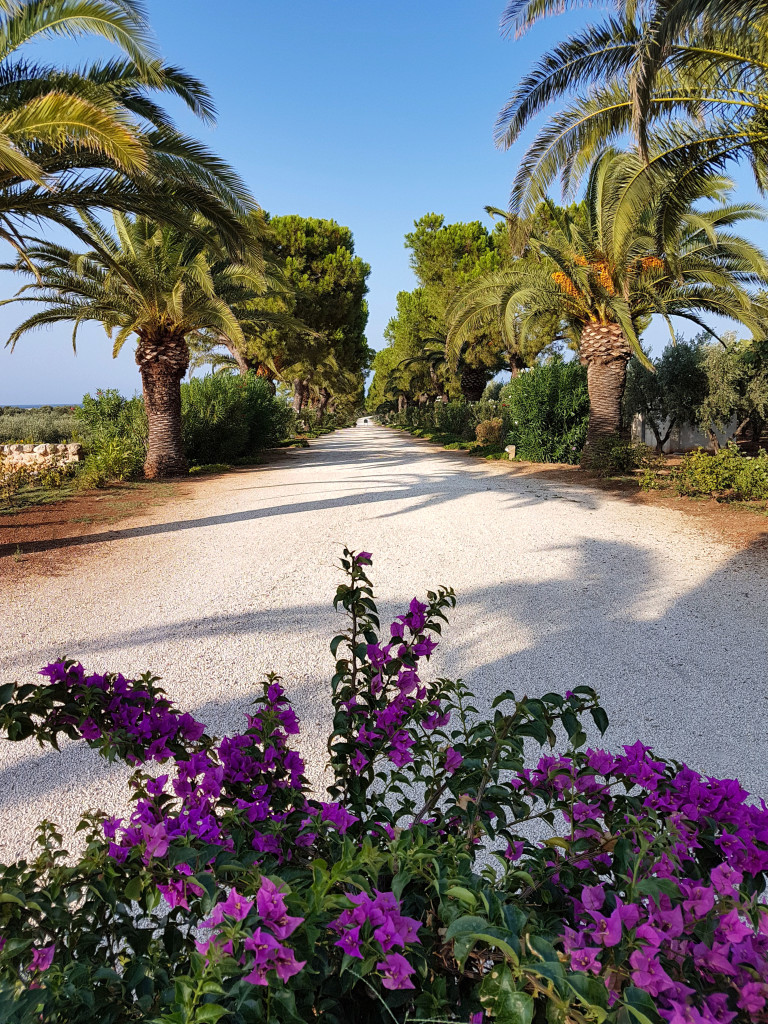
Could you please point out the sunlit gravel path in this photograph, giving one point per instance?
(557, 584)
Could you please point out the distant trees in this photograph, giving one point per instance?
(327, 284)
(706, 384)
(671, 394)
(737, 387)
(414, 366)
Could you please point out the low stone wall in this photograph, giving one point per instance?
(40, 455)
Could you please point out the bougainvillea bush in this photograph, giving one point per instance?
(413, 890)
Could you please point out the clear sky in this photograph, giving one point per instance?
(371, 114)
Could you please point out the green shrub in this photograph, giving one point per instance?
(225, 417)
(109, 414)
(37, 426)
(490, 431)
(113, 430)
(548, 410)
(728, 473)
(615, 456)
(111, 457)
(454, 418)
(490, 409)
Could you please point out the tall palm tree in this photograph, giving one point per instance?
(151, 280)
(76, 139)
(602, 274)
(688, 77)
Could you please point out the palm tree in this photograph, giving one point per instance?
(151, 280)
(265, 322)
(96, 137)
(688, 77)
(603, 273)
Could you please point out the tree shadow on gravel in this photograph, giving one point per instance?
(680, 667)
(445, 481)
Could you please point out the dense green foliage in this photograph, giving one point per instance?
(226, 418)
(737, 388)
(327, 287)
(47, 425)
(548, 411)
(728, 474)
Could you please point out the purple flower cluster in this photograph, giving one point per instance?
(255, 776)
(695, 925)
(124, 709)
(395, 691)
(42, 958)
(264, 948)
(378, 919)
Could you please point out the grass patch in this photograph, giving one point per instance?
(457, 444)
(29, 497)
(209, 467)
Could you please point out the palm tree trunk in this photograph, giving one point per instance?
(325, 397)
(473, 383)
(163, 358)
(300, 394)
(242, 364)
(605, 352)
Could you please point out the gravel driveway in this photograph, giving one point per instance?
(557, 585)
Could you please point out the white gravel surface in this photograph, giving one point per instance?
(557, 585)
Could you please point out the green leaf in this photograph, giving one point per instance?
(506, 695)
(458, 892)
(134, 889)
(503, 1001)
(6, 692)
(545, 949)
(467, 925)
(640, 1006)
(571, 723)
(210, 1013)
(600, 718)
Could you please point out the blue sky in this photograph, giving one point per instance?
(371, 114)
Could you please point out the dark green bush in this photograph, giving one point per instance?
(727, 473)
(548, 410)
(615, 455)
(455, 418)
(226, 417)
